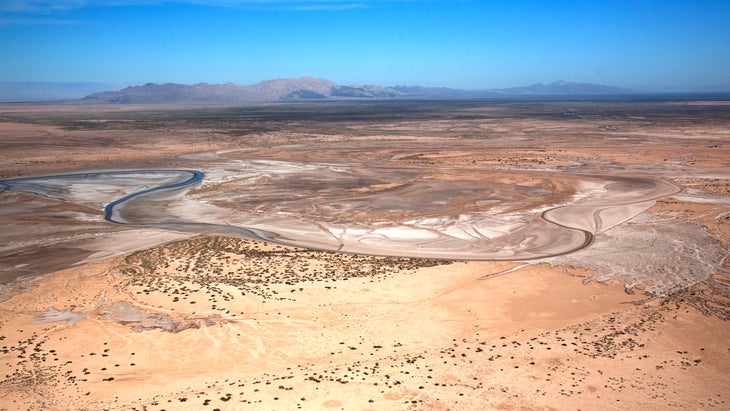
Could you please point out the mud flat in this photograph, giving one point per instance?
(157, 199)
(182, 310)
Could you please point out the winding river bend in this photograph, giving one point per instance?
(195, 177)
(556, 231)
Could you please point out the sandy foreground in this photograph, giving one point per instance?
(101, 316)
(397, 337)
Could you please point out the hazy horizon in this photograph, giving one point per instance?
(643, 46)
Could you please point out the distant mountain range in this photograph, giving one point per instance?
(31, 91)
(304, 88)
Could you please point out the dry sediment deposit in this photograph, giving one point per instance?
(445, 255)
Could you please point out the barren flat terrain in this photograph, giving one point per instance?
(366, 255)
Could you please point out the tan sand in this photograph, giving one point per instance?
(439, 336)
(213, 322)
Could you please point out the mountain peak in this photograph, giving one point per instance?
(559, 83)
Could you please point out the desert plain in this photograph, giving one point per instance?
(484, 254)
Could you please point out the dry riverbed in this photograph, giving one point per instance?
(96, 315)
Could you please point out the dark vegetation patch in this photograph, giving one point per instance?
(213, 262)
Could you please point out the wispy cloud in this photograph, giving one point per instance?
(38, 6)
(50, 6)
(50, 12)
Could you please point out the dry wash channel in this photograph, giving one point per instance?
(411, 212)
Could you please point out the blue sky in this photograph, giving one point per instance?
(664, 45)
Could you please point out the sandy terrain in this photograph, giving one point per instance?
(184, 310)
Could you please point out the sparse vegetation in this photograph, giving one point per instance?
(209, 263)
